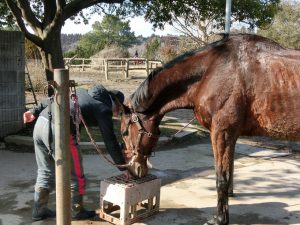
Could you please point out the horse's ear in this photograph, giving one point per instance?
(123, 108)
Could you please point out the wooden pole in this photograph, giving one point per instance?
(106, 69)
(126, 68)
(147, 66)
(83, 64)
(62, 150)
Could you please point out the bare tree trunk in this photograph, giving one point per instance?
(52, 56)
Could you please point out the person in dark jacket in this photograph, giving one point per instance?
(97, 106)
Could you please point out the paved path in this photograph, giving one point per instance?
(266, 186)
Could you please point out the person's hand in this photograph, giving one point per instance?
(28, 117)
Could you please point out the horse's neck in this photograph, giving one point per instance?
(171, 92)
(173, 87)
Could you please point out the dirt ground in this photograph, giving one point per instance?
(266, 185)
(266, 171)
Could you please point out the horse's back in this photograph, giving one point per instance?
(273, 92)
(256, 82)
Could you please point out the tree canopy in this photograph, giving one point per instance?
(111, 31)
(152, 48)
(41, 22)
(286, 26)
(254, 12)
(6, 17)
(46, 18)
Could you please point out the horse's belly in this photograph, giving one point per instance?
(284, 128)
(277, 120)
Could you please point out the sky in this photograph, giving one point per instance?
(137, 24)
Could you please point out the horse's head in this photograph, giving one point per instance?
(140, 134)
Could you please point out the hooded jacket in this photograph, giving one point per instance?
(96, 108)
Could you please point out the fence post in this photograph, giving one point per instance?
(147, 66)
(62, 151)
(102, 63)
(106, 69)
(82, 66)
(126, 68)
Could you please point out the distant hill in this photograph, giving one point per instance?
(140, 47)
(69, 41)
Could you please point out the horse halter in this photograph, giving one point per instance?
(142, 131)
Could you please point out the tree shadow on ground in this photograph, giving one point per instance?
(191, 216)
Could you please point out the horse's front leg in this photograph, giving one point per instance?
(223, 143)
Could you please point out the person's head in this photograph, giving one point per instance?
(117, 97)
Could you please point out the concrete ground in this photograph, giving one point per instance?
(266, 186)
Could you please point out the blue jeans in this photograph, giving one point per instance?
(46, 161)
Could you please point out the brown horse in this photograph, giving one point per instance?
(240, 85)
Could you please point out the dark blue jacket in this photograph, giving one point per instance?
(98, 113)
(95, 113)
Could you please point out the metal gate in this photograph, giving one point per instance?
(12, 82)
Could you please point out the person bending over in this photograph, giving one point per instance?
(97, 106)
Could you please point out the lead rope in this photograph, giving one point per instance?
(79, 118)
(76, 116)
(172, 136)
(99, 150)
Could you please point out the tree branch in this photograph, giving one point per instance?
(56, 23)
(74, 7)
(29, 16)
(18, 16)
(186, 29)
(49, 12)
(60, 4)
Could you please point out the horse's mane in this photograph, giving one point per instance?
(140, 98)
(141, 93)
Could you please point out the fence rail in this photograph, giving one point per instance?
(110, 65)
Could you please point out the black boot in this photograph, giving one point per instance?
(40, 201)
(78, 211)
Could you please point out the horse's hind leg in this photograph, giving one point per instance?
(230, 188)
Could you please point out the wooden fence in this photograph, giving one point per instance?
(116, 65)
